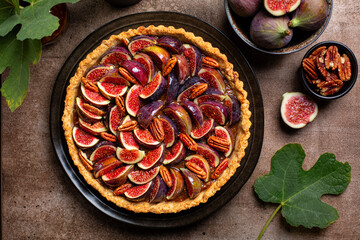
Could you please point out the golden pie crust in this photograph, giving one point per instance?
(243, 132)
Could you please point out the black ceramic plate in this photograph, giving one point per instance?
(210, 34)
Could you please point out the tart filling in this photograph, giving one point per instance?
(156, 119)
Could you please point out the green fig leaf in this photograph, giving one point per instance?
(7, 9)
(298, 191)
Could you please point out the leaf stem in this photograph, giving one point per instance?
(268, 222)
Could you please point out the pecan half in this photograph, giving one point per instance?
(127, 126)
(198, 90)
(196, 169)
(309, 66)
(157, 130)
(108, 136)
(93, 110)
(210, 62)
(119, 101)
(320, 63)
(330, 86)
(170, 64)
(188, 141)
(345, 68)
(316, 52)
(89, 85)
(165, 175)
(220, 169)
(122, 189)
(85, 161)
(220, 144)
(332, 58)
(127, 75)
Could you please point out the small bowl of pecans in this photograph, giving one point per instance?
(329, 70)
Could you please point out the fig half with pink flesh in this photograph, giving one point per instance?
(85, 113)
(281, 7)
(187, 88)
(233, 106)
(93, 128)
(114, 118)
(127, 137)
(182, 68)
(105, 165)
(137, 70)
(177, 184)
(193, 56)
(117, 176)
(154, 89)
(213, 77)
(204, 131)
(192, 182)
(129, 156)
(215, 110)
(172, 87)
(139, 193)
(226, 133)
(147, 62)
(105, 150)
(140, 42)
(170, 43)
(209, 154)
(202, 163)
(97, 72)
(143, 176)
(115, 56)
(170, 130)
(113, 86)
(93, 97)
(159, 190)
(211, 94)
(158, 54)
(175, 154)
(194, 111)
(152, 158)
(179, 116)
(83, 139)
(147, 112)
(132, 100)
(145, 138)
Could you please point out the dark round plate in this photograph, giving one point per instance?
(210, 34)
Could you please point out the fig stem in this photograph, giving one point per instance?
(286, 33)
(268, 222)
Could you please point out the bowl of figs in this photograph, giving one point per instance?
(278, 26)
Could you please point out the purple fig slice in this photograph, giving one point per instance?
(226, 133)
(117, 176)
(93, 128)
(85, 113)
(115, 56)
(158, 54)
(153, 158)
(147, 113)
(176, 154)
(154, 89)
(145, 138)
(213, 77)
(143, 176)
(170, 43)
(204, 131)
(280, 7)
(103, 151)
(233, 105)
(132, 100)
(83, 139)
(94, 97)
(194, 112)
(139, 193)
(211, 94)
(192, 182)
(182, 68)
(113, 86)
(137, 70)
(147, 62)
(180, 117)
(177, 186)
(172, 87)
(97, 72)
(187, 88)
(127, 138)
(140, 42)
(105, 165)
(215, 110)
(159, 190)
(200, 162)
(193, 56)
(209, 154)
(129, 156)
(114, 119)
(170, 130)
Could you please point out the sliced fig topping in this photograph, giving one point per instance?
(233, 106)
(193, 56)
(180, 117)
(154, 89)
(93, 128)
(175, 154)
(204, 131)
(113, 86)
(118, 176)
(132, 100)
(182, 68)
(170, 130)
(211, 94)
(127, 138)
(129, 156)
(115, 56)
(147, 113)
(153, 158)
(94, 97)
(83, 139)
(158, 54)
(188, 88)
(137, 70)
(115, 117)
(209, 154)
(104, 150)
(147, 62)
(194, 112)
(97, 72)
(159, 190)
(85, 113)
(193, 183)
(143, 176)
(140, 42)
(170, 43)
(226, 133)
(172, 87)
(213, 77)
(105, 165)
(215, 110)
(198, 165)
(139, 193)
(177, 186)
(145, 138)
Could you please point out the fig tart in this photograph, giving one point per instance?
(156, 119)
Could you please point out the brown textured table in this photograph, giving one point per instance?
(39, 201)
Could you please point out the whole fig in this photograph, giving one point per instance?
(245, 8)
(270, 32)
(310, 15)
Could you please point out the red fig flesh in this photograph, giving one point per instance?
(281, 7)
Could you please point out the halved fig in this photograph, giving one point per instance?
(213, 77)
(215, 110)
(225, 133)
(193, 56)
(83, 139)
(204, 131)
(132, 100)
(97, 72)
(117, 176)
(145, 138)
(154, 89)
(233, 105)
(153, 158)
(194, 111)
(281, 7)
(187, 88)
(95, 98)
(140, 42)
(137, 70)
(147, 62)
(129, 156)
(182, 68)
(113, 86)
(201, 162)
(211, 94)
(158, 54)
(209, 154)
(180, 117)
(115, 56)
(85, 113)
(93, 128)
(114, 118)
(105, 165)
(103, 150)
(127, 138)
(172, 87)
(159, 190)
(170, 43)
(176, 154)
(139, 193)
(147, 113)
(170, 130)
(177, 186)
(143, 176)
(192, 182)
